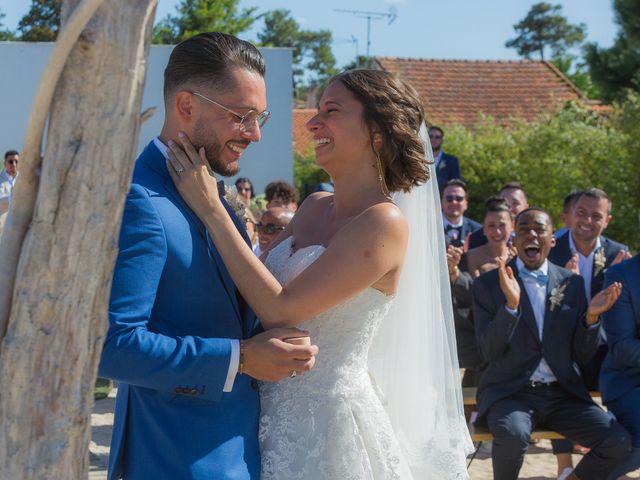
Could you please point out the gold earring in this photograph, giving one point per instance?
(383, 184)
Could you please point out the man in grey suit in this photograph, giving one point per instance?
(534, 328)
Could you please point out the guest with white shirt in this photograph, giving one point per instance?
(534, 328)
(447, 166)
(586, 252)
(455, 202)
(8, 178)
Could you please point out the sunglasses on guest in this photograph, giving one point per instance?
(269, 228)
(451, 198)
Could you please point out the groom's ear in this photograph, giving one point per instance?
(184, 105)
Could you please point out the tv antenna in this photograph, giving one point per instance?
(391, 15)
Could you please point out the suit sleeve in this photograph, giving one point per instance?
(586, 340)
(133, 353)
(620, 325)
(494, 324)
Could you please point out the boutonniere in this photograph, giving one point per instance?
(231, 196)
(557, 295)
(599, 261)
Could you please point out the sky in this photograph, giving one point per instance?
(451, 29)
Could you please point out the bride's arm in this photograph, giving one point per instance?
(370, 247)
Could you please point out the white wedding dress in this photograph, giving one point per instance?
(329, 423)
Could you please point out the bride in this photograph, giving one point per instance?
(365, 274)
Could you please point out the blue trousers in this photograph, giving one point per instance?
(627, 412)
(511, 421)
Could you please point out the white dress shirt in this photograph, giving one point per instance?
(234, 361)
(585, 264)
(537, 297)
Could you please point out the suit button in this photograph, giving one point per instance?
(254, 384)
(194, 391)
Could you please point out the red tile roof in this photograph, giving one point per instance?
(457, 91)
(302, 138)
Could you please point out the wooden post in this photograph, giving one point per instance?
(66, 249)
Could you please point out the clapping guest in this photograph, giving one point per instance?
(532, 326)
(272, 222)
(457, 227)
(589, 254)
(620, 376)
(463, 269)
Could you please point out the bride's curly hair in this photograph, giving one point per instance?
(393, 108)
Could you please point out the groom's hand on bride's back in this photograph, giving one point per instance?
(269, 358)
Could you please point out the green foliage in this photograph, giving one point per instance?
(197, 16)
(617, 69)
(42, 22)
(579, 76)
(573, 149)
(306, 172)
(544, 27)
(313, 60)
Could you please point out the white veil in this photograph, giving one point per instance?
(413, 360)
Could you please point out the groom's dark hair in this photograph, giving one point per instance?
(205, 59)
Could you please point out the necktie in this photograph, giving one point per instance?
(537, 275)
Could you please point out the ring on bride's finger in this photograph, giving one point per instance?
(293, 374)
(179, 170)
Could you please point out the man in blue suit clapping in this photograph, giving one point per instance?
(620, 374)
(181, 340)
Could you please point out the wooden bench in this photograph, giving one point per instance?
(482, 433)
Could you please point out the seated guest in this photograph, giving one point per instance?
(272, 221)
(281, 194)
(567, 212)
(463, 269)
(457, 227)
(517, 199)
(533, 327)
(584, 251)
(620, 375)
(447, 166)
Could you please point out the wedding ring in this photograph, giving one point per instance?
(179, 170)
(293, 374)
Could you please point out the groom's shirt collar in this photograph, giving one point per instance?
(164, 150)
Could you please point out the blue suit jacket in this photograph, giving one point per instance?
(172, 313)
(448, 169)
(468, 227)
(621, 368)
(512, 346)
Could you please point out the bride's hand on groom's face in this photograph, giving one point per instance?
(269, 358)
(193, 178)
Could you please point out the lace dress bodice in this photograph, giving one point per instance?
(329, 423)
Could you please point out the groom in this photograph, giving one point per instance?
(180, 341)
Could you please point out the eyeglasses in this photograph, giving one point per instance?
(435, 137)
(269, 228)
(248, 121)
(451, 198)
(243, 189)
(12, 162)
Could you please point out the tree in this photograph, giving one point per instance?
(42, 22)
(5, 35)
(544, 27)
(60, 242)
(579, 75)
(197, 16)
(313, 60)
(617, 69)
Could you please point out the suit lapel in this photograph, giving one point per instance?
(528, 316)
(555, 279)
